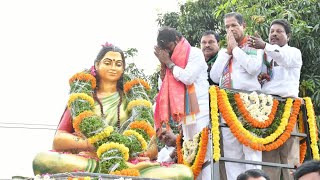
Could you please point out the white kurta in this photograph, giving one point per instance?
(196, 72)
(245, 71)
(286, 70)
(287, 62)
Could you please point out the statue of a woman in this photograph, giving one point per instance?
(108, 94)
(74, 151)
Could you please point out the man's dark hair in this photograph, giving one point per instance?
(283, 23)
(306, 168)
(255, 173)
(166, 35)
(238, 16)
(216, 35)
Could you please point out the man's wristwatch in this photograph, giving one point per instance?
(170, 65)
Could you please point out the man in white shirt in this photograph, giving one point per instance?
(237, 68)
(282, 73)
(193, 73)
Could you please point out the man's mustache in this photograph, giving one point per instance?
(208, 48)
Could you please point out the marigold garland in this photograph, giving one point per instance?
(312, 128)
(202, 150)
(231, 119)
(101, 135)
(303, 146)
(128, 85)
(252, 121)
(84, 96)
(215, 123)
(282, 138)
(127, 172)
(144, 125)
(303, 151)
(84, 77)
(112, 145)
(77, 120)
(179, 149)
(246, 138)
(139, 102)
(142, 141)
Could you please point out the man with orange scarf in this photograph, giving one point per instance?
(237, 68)
(184, 90)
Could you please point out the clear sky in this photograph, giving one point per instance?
(42, 44)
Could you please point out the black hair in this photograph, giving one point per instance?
(216, 35)
(283, 23)
(238, 16)
(256, 173)
(106, 48)
(166, 35)
(306, 168)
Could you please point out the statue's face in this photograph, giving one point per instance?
(111, 67)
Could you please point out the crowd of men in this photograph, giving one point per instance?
(247, 63)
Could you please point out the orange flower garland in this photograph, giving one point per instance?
(202, 150)
(127, 172)
(303, 151)
(303, 146)
(252, 121)
(241, 135)
(127, 86)
(84, 77)
(145, 126)
(77, 120)
(179, 149)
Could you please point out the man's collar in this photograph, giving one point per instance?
(212, 59)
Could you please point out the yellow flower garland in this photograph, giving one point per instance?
(101, 135)
(215, 123)
(84, 96)
(312, 128)
(247, 134)
(139, 102)
(142, 141)
(107, 146)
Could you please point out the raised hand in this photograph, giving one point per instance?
(231, 42)
(256, 41)
(162, 55)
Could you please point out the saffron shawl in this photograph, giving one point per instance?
(175, 99)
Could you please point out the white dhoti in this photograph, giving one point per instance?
(234, 149)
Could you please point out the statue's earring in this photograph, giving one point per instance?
(93, 71)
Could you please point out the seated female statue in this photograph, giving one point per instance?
(78, 153)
